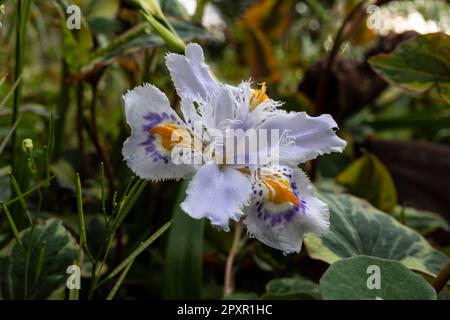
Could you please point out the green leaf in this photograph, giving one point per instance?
(242, 296)
(76, 44)
(421, 220)
(183, 265)
(46, 275)
(297, 288)
(369, 179)
(418, 64)
(142, 37)
(396, 282)
(357, 228)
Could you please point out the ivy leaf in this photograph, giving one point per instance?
(419, 64)
(357, 228)
(373, 279)
(52, 250)
(369, 179)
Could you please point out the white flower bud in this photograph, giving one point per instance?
(27, 145)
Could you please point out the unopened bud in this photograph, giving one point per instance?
(27, 145)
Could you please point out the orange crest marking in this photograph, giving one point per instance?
(258, 96)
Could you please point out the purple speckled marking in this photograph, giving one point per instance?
(154, 119)
(284, 216)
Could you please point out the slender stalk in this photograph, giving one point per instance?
(23, 7)
(98, 145)
(228, 286)
(119, 282)
(79, 94)
(63, 106)
(199, 10)
(442, 278)
(12, 225)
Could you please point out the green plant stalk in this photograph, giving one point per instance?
(119, 281)
(199, 11)
(23, 7)
(12, 225)
(102, 191)
(33, 189)
(81, 222)
(63, 106)
(136, 252)
(9, 135)
(40, 262)
(170, 37)
(21, 199)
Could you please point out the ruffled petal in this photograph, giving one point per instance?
(308, 136)
(190, 74)
(218, 194)
(284, 208)
(154, 124)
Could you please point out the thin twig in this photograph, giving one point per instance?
(228, 286)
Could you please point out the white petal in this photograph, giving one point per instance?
(283, 225)
(190, 74)
(147, 107)
(310, 136)
(217, 194)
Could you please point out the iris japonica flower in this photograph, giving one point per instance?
(274, 199)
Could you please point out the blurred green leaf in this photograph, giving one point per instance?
(174, 8)
(420, 220)
(357, 228)
(418, 65)
(50, 278)
(396, 282)
(242, 296)
(291, 289)
(139, 38)
(76, 44)
(183, 265)
(369, 179)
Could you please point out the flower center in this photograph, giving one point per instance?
(258, 96)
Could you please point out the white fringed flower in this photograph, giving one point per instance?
(277, 200)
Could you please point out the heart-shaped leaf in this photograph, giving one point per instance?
(418, 64)
(51, 249)
(367, 278)
(357, 228)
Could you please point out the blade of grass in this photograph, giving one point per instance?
(119, 281)
(31, 190)
(81, 221)
(21, 198)
(183, 261)
(9, 135)
(40, 263)
(144, 245)
(12, 225)
(23, 7)
(128, 203)
(10, 92)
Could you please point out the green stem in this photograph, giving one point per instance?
(23, 7)
(199, 10)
